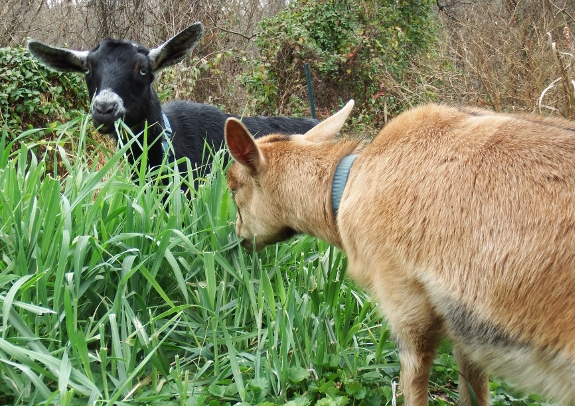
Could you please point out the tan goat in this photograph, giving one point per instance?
(461, 222)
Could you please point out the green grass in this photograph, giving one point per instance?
(118, 289)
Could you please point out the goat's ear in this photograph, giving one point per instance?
(60, 59)
(175, 49)
(328, 128)
(242, 146)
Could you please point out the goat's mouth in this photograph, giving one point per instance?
(105, 124)
(104, 128)
(283, 235)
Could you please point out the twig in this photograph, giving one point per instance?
(565, 77)
(255, 34)
(561, 10)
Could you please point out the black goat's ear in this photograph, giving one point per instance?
(60, 59)
(242, 146)
(176, 48)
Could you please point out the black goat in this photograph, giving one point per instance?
(119, 75)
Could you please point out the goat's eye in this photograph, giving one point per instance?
(143, 72)
(86, 70)
(233, 192)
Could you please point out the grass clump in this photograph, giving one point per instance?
(115, 287)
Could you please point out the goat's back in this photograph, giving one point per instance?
(195, 124)
(477, 210)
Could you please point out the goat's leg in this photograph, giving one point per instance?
(471, 373)
(417, 330)
(416, 354)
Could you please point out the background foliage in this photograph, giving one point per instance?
(32, 95)
(351, 48)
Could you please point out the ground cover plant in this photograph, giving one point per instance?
(32, 95)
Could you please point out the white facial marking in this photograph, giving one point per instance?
(108, 96)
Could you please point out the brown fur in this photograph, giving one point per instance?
(462, 224)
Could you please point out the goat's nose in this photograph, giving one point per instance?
(106, 107)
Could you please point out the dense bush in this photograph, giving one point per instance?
(31, 95)
(351, 48)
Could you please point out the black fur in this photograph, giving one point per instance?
(199, 122)
(468, 327)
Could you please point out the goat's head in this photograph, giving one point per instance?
(268, 175)
(119, 73)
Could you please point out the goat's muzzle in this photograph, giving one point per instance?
(247, 244)
(106, 109)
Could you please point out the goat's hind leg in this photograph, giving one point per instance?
(470, 373)
(417, 351)
(417, 330)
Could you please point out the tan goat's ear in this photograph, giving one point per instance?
(328, 128)
(242, 145)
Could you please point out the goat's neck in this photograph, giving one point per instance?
(154, 121)
(307, 192)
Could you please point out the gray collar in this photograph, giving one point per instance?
(339, 181)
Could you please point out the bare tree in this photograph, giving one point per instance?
(501, 50)
(15, 16)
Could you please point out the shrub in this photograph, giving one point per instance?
(31, 95)
(503, 58)
(350, 47)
